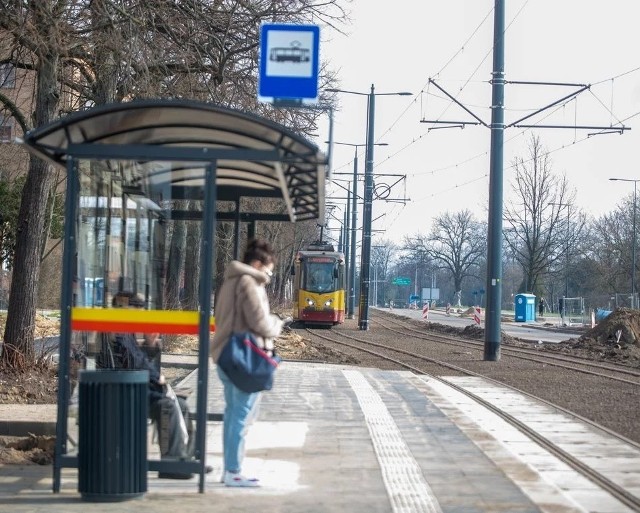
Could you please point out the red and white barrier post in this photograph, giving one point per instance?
(425, 311)
(477, 315)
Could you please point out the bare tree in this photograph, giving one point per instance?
(456, 243)
(538, 229)
(382, 255)
(203, 50)
(611, 247)
(40, 25)
(192, 260)
(85, 53)
(10, 194)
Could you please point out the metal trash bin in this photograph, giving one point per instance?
(112, 445)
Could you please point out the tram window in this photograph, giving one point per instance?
(320, 277)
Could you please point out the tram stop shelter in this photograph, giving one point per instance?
(137, 173)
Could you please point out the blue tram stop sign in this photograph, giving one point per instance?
(289, 63)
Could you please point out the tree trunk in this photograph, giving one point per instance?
(18, 349)
(192, 262)
(104, 37)
(175, 264)
(48, 218)
(457, 281)
(224, 250)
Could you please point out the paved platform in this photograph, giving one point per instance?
(339, 438)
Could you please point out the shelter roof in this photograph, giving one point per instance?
(255, 157)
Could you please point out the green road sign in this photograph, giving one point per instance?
(401, 281)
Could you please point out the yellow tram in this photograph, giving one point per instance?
(319, 285)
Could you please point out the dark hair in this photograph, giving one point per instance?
(261, 250)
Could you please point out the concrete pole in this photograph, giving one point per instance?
(633, 252)
(347, 258)
(354, 220)
(363, 320)
(566, 265)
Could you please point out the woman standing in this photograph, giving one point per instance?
(242, 305)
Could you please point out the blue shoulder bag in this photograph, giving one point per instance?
(247, 365)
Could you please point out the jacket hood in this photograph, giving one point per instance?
(237, 269)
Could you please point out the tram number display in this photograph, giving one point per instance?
(320, 260)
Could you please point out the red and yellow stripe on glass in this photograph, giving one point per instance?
(117, 320)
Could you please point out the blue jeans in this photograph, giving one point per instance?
(240, 410)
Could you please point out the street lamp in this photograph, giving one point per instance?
(633, 243)
(354, 216)
(365, 259)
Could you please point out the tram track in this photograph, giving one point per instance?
(408, 362)
(581, 365)
(625, 369)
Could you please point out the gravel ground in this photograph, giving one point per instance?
(610, 403)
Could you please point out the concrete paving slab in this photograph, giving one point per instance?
(338, 438)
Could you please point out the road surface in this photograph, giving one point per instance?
(526, 331)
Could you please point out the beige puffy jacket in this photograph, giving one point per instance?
(242, 305)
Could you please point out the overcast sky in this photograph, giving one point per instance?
(398, 46)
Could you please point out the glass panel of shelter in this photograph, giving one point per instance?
(129, 281)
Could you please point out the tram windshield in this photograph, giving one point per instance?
(320, 276)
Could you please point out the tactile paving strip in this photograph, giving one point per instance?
(407, 489)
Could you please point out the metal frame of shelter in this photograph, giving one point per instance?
(155, 152)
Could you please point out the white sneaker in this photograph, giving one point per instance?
(239, 481)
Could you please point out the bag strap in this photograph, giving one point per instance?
(235, 295)
(235, 300)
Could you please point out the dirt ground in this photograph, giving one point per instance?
(29, 450)
(615, 339)
(600, 343)
(39, 385)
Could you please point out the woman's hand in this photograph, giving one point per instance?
(287, 321)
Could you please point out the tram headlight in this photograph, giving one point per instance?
(328, 302)
(310, 302)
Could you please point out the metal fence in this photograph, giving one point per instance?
(573, 311)
(627, 300)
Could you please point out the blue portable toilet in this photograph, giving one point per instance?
(525, 307)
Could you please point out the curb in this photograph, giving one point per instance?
(26, 427)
